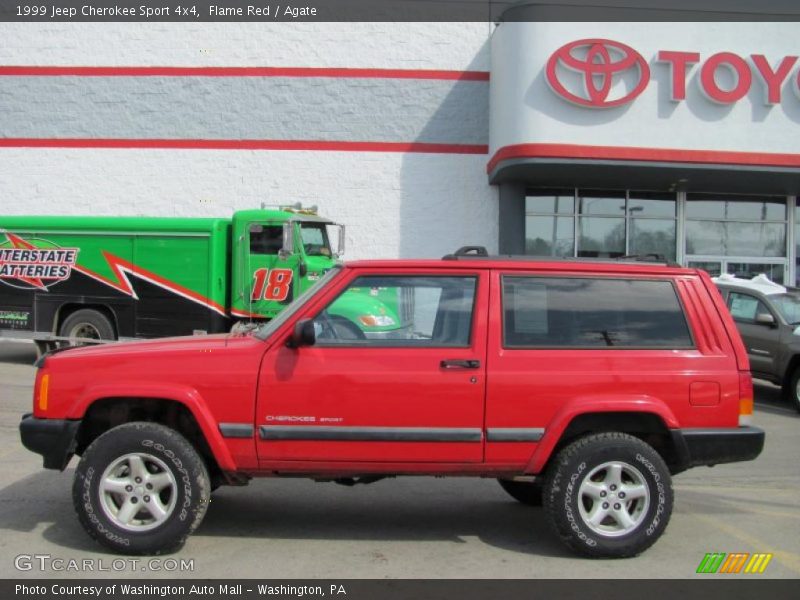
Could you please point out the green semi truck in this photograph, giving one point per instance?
(89, 279)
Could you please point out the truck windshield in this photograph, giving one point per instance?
(270, 327)
(314, 237)
(788, 305)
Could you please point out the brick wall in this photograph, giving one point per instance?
(395, 202)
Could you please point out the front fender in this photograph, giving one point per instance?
(594, 404)
(186, 395)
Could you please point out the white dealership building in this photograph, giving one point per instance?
(552, 138)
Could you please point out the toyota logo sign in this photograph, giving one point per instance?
(585, 72)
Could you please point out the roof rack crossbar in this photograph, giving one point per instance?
(468, 251)
(473, 252)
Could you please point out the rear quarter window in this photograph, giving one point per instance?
(577, 312)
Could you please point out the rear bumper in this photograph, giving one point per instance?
(54, 439)
(696, 447)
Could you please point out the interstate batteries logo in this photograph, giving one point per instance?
(34, 263)
(585, 72)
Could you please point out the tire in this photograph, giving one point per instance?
(87, 323)
(791, 391)
(609, 464)
(104, 500)
(526, 492)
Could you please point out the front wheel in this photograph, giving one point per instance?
(141, 488)
(608, 495)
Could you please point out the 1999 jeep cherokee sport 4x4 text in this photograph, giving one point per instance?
(582, 385)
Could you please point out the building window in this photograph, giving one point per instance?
(550, 223)
(745, 226)
(599, 223)
(797, 244)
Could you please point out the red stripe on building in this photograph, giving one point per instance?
(575, 151)
(243, 72)
(317, 145)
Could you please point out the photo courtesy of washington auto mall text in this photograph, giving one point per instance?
(175, 590)
(392, 299)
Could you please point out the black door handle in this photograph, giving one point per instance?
(460, 364)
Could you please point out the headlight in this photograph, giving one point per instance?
(376, 320)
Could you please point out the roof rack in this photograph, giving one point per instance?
(480, 252)
(468, 252)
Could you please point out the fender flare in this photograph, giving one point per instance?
(593, 405)
(185, 395)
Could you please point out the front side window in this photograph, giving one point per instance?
(400, 311)
(745, 307)
(266, 239)
(287, 313)
(549, 312)
(789, 307)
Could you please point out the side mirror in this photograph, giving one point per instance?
(304, 334)
(287, 247)
(339, 252)
(765, 319)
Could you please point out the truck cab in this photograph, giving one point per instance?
(277, 255)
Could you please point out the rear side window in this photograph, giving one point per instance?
(549, 312)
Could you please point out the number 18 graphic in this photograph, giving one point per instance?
(271, 284)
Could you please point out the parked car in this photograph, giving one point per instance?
(589, 383)
(768, 317)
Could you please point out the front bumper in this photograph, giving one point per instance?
(54, 439)
(696, 447)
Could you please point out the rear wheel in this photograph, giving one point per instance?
(526, 492)
(792, 390)
(86, 323)
(141, 488)
(608, 495)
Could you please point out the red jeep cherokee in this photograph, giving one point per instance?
(580, 385)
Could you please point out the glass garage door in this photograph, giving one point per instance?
(741, 235)
(746, 268)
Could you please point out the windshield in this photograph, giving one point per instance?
(788, 305)
(270, 327)
(314, 237)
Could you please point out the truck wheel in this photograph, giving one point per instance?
(527, 492)
(608, 495)
(87, 323)
(792, 391)
(141, 488)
